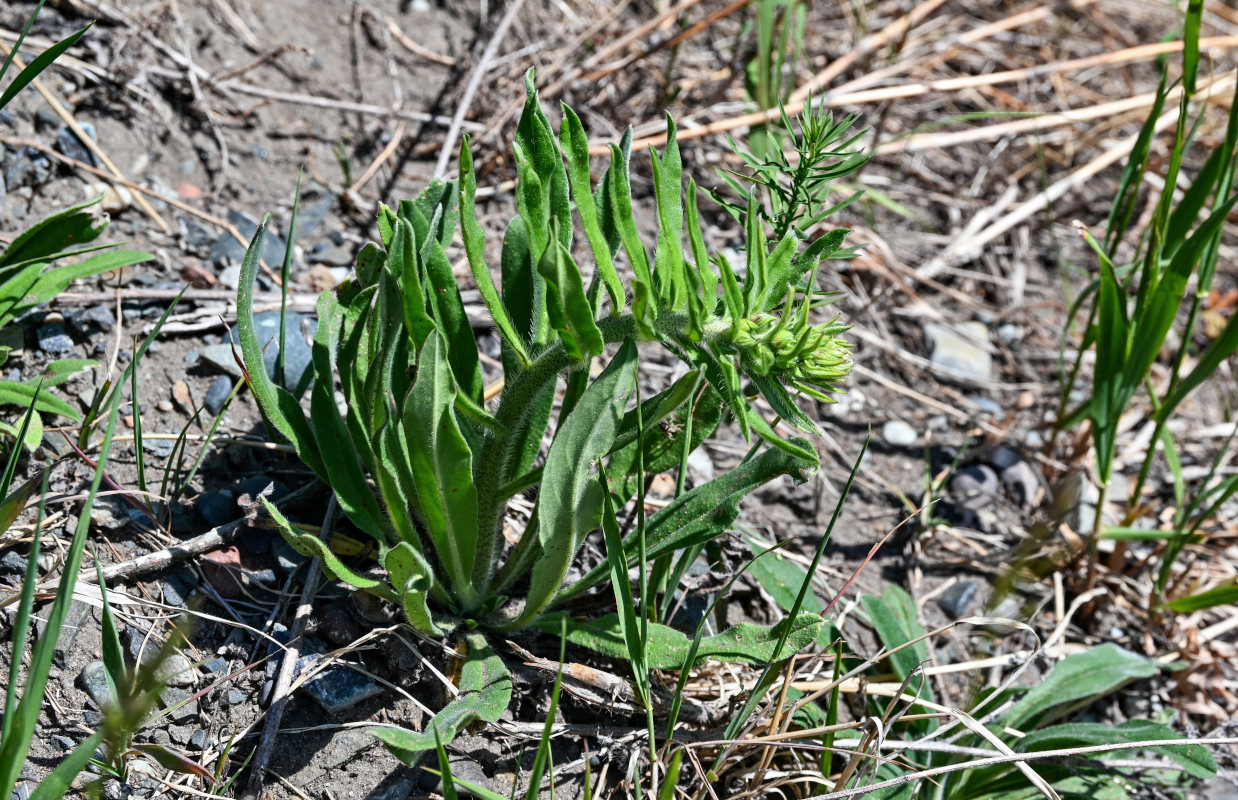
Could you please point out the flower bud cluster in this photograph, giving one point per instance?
(813, 358)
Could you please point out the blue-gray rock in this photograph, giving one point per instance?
(22, 791)
(960, 352)
(219, 358)
(45, 120)
(158, 447)
(53, 339)
(100, 317)
(176, 670)
(181, 706)
(273, 245)
(1021, 483)
(988, 405)
(78, 616)
(217, 394)
(897, 433)
(94, 682)
(332, 255)
(958, 598)
(300, 352)
(28, 167)
(1003, 457)
(181, 734)
(216, 666)
(337, 689)
(234, 697)
(67, 142)
(975, 481)
(216, 508)
(13, 563)
(286, 557)
(178, 584)
(199, 740)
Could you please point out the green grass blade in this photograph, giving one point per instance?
(39, 63)
(15, 746)
(279, 408)
(21, 623)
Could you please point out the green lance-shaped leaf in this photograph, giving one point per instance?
(668, 262)
(524, 294)
(280, 410)
(413, 580)
(442, 469)
(570, 501)
(475, 249)
(567, 304)
(756, 278)
(13, 393)
(307, 544)
(702, 282)
(403, 262)
(1194, 759)
(893, 615)
(575, 147)
(432, 217)
(701, 514)
(72, 227)
(541, 191)
(644, 305)
(485, 693)
(669, 648)
(1077, 680)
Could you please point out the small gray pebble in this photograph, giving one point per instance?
(956, 600)
(897, 433)
(975, 480)
(234, 697)
(217, 394)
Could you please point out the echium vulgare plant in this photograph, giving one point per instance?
(423, 464)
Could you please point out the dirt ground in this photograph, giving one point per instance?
(211, 108)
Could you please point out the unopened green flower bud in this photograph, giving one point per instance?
(813, 359)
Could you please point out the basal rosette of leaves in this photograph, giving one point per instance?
(424, 465)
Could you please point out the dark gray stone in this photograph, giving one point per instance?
(29, 167)
(94, 682)
(216, 666)
(13, 563)
(178, 584)
(186, 707)
(158, 447)
(1022, 483)
(975, 482)
(217, 394)
(100, 317)
(1003, 457)
(78, 616)
(181, 734)
(216, 508)
(337, 689)
(67, 142)
(199, 740)
(219, 358)
(53, 339)
(958, 598)
(300, 352)
(286, 557)
(332, 255)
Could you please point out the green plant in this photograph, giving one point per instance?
(422, 465)
(1178, 250)
(1013, 742)
(28, 278)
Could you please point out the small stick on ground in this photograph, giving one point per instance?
(203, 543)
(287, 668)
(457, 120)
